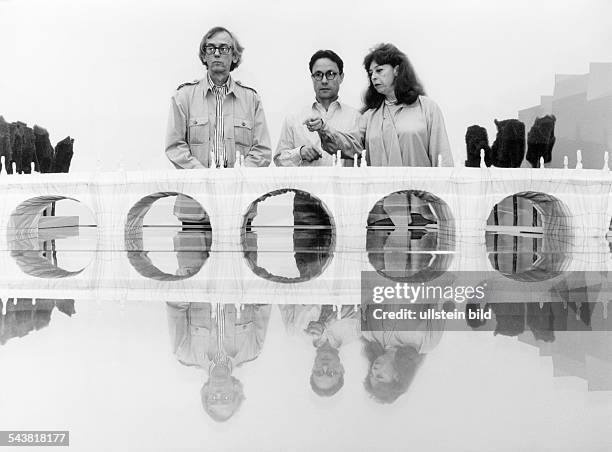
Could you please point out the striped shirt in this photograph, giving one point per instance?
(218, 137)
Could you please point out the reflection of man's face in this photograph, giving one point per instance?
(327, 369)
(219, 395)
(217, 63)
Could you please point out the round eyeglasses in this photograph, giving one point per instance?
(223, 49)
(328, 372)
(329, 75)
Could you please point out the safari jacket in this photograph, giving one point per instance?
(191, 124)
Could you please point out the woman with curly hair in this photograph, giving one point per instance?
(395, 350)
(400, 125)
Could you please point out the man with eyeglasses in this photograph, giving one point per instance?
(218, 339)
(299, 147)
(213, 118)
(328, 332)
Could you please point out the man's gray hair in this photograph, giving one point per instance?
(238, 49)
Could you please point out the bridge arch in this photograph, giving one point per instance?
(26, 216)
(551, 214)
(191, 247)
(316, 207)
(529, 258)
(36, 252)
(401, 207)
(313, 235)
(409, 255)
(138, 211)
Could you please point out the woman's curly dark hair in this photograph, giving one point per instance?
(406, 363)
(407, 85)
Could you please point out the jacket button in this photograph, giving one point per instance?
(243, 124)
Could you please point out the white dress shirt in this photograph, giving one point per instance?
(294, 133)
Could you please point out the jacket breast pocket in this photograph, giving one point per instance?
(198, 131)
(243, 132)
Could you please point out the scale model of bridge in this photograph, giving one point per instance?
(573, 203)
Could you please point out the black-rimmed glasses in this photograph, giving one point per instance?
(329, 75)
(328, 372)
(223, 49)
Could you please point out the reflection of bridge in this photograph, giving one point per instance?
(572, 202)
(326, 275)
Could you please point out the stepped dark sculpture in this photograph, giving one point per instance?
(16, 138)
(540, 140)
(63, 156)
(43, 158)
(509, 146)
(27, 151)
(5, 142)
(21, 146)
(477, 139)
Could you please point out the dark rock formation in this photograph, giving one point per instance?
(63, 155)
(28, 151)
(476, 139)
(5, 142)
(509, 145)
(540, 140)
(44, 150)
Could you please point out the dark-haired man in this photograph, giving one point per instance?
(299, 147)
(212, 118)
(328, 332)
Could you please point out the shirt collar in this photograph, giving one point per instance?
(317, 106)
(229, 83)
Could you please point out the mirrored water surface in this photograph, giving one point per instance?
(162, 371)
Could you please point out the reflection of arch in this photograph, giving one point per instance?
(27, 214)
(554, 213)
(529, 258)
(409, 255)
(136, 214)
(313, 212)
(191, 248)
(313, 251)
(36, 262)
(400, 204)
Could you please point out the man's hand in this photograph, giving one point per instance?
(314, 123)
(314, 329)
(309, 153)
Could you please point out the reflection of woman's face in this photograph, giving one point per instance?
(382, 370)
(382, 78)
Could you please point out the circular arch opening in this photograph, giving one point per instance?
(528, 257)
(167, 236)
(406, 255)
(530, 211)
(411, 208)
(288, 207)
(52, 236)
(288, 236)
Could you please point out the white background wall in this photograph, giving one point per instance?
(103, 71)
